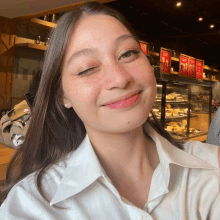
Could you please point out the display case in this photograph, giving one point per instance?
(184, 110)
(176, 110)
(200, 106)
(157, 103)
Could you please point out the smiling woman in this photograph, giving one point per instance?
(91, 151)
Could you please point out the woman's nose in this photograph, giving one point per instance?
(117, 76)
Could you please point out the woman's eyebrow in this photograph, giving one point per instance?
(124, 37)
(92, 50)
(80, 53)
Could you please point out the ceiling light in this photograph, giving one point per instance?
(178, 4)
(201, 16)
(212, 26)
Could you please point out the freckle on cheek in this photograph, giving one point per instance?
(128, 122)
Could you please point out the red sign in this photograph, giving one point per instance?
(199, 69)
(165, 56)
(192, 67)
(184, 61)
(144, 48)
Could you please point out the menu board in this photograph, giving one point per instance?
(184, 61)
(199, 69)
(165, 56)
(192, 67)
(144, 47)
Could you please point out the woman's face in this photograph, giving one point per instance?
(105, 64)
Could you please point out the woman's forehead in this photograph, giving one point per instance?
(97, 32)
(97, 27)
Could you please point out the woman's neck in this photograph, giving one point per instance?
(124, 154)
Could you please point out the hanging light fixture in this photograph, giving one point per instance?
(179, 4)
(212, 24)
(201, 16)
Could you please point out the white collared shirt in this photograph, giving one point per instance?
(185, 185)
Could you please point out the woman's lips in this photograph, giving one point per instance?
(122, 98)
(124, 103)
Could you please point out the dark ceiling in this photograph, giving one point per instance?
(163, 24)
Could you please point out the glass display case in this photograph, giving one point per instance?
(176, 110)
(200, 110)
(184, 110)
(157, 103)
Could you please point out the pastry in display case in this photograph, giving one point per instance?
(177, 113)
(184, 111)
(176, 110)
(176, 97)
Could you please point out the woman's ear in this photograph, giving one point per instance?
(66, 103)
(63, 100)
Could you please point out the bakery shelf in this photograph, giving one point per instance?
(174, 72)
(175, 59)
(201, 137)
(207, 79)
(192, 137)
(176, 102)
(152, 53)
(40, 24)
(197, 113)
(177, 118)
(210, 69)
(196, 137)
(194, 101)
(212, 80)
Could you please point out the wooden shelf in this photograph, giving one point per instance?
(153, 54)
(207, 79)
(40, 24)
(174, 72)
(29, 43)
(32, 46)
(210, 69)
(198, 138)
(175, 59)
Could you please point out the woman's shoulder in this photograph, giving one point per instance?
(206, 152)
(205, 181)
(51, 177)
(25, 196)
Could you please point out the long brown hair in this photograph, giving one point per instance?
(55, 131)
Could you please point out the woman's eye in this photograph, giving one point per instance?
(86, 71)
(129, 53)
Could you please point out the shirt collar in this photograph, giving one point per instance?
(83, 167)
(170, 154)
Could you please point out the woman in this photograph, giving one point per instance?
(89, 152)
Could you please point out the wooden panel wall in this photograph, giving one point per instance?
(8, 32)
